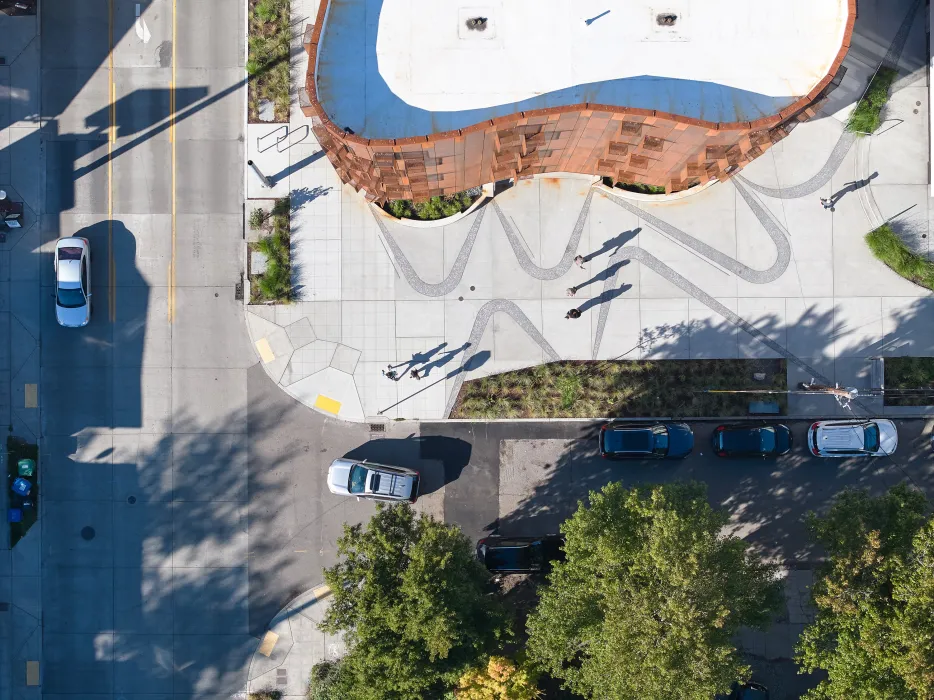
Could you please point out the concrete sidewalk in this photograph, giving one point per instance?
(21, 177)
(753, 267)
(292, 646)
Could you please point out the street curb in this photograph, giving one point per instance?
(692, 419)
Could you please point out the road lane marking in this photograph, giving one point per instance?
(325, 403)
(265, 351)
(172, 141)
(31, 393)
(111, 139)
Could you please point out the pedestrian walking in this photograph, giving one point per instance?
(573, 313)
(827, 203)
(580, 261)
(414, 374)
(572, 291)
(390, 373)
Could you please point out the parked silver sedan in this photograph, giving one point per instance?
(379, 482)
(72, 263)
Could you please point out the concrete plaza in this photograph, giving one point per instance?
(751, 267)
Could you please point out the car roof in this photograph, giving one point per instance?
(849, 436)
(69, 271)
(742, 438)
(625, 438)
(508, 555)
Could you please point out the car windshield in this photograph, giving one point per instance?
(871, 437)
(661, 440)
(767, 440)
(357, 481)
(70, 298)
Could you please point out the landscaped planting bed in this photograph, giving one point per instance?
(867, 115)
(915, 374)
(433, 209)
(886, 245)
(584, 389)
(275, 284)
(268, 60)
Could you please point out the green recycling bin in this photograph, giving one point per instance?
(26, 467)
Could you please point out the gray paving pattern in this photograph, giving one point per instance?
(813, 184)
(449, 284)
(476, 333)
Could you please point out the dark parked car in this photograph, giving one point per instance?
(520, 555)
(750, 440)
(746, 691)
(646, 440)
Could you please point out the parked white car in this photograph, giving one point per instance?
(872, 437)
(379, 482)
(72, 263)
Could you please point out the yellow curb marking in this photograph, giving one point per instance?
(321, 592)
(32, 396)
(265, 352)
(327, 404)
(269, 642)
(32, 673)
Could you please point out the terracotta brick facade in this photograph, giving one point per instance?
(628, 145)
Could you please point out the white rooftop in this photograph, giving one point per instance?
(393, 68)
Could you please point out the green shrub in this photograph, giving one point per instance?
(867, 115)
(432, 209)
(890, 249)
(327, 682)
(258, 218)
(281, 207)
(267, 10)
(275, 284)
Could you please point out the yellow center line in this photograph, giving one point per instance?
(112, 137)
(171, 300)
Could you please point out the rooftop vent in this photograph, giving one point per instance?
(476, 24)
(666, 19)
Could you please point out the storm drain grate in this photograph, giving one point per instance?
(238, 289)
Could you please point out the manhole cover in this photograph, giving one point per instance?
(472, 288)
(131, 500)
(87, 532)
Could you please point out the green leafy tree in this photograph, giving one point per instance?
(649, 598)
(874, 629)
(413, 603)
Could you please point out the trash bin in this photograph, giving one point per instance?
(26, 467)
(21, 487)
(15, 515)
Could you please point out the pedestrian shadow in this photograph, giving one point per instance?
(614, 243)
(603, 276)
(418, 358)
(851, 187)
(604, 297)
(478, 360)
(445, 358)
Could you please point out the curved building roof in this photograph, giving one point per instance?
(399, 68)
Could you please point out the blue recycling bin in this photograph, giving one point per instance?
(21, 487)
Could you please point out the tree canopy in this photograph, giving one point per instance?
(649, 597)
(413, 604)
(874, 629)
(499, 679)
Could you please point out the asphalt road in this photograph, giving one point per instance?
(522, 478)
(143, 412)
